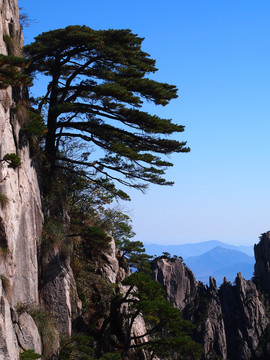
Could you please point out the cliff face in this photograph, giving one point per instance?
(20, 215)
(262, 265)
(177, 280)
(231, 322)
(245, 318)
(21, 218)
(211, 330)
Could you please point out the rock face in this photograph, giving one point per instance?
(114, 269)
(262, 265)
(27, 333)
(58, 293)
(214, 333)
(177, 280)
(245, 318)
(21, 218)
(9, 345)
(20, 215)
(231, 322)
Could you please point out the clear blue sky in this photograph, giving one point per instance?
(218, 55)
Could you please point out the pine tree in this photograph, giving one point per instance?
(96, 90)
(167, 334)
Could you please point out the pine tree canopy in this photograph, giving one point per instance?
(168, 334)
(97, 87)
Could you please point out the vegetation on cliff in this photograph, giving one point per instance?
(96, 88)
(12, 66)
(86, 242)
(10, 71)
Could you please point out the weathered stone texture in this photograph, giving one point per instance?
(22, 216)
(59, 293)
(21, 219)
(177, 280)
(9, 349)
(27, 333)
(112, 271)
(230, 321)
(262, 265)
(245, 317)
(214, 336)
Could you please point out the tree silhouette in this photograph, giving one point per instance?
(97, 86)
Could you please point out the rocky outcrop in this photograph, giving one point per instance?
(9, 348)
(262, 265)
(231, 322)
(114, 269)
(58, 294)
(212, 327)
(245, 318)
(177, 280)
(27, 333)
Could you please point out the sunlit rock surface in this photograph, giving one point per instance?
(177, 280)
(231, 322)
(21, 218)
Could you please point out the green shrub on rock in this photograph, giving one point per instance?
(13, 160)
(29, 355)
(11, 73)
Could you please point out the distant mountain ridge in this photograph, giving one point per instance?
(219, 263)
(211, 258)
(195, 249)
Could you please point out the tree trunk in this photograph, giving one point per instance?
(50, 146)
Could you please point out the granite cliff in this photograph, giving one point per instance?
(232, 322)
(21, 216)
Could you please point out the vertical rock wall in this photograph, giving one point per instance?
(213, 328)
(21, 217)
(177, 280)
(245, 318)
(262, 265)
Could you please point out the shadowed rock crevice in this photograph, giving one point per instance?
(3, 235)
